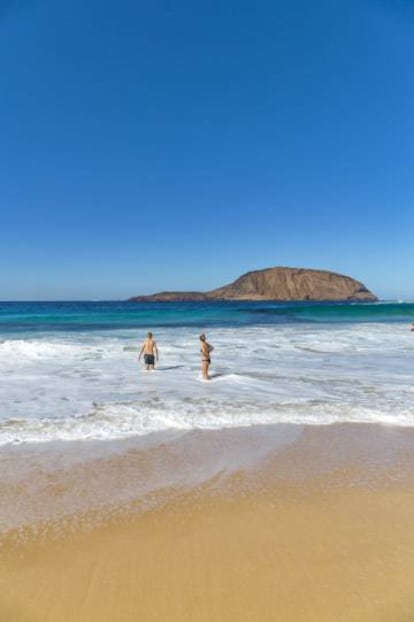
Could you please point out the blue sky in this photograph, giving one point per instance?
(177, 144)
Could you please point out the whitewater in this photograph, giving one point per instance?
(64, 378)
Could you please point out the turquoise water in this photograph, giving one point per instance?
(23, 317)
(72, 390)
(69, 370)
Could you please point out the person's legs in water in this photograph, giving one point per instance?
(149, 362)
(204, 369)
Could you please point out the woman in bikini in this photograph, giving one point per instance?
(206, 348)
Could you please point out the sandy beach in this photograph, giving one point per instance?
(318, 527)
(207, 311)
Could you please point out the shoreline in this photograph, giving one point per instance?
(316, 526)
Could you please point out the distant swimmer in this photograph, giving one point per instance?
(150, 351)
(412, 326)
(206, 348)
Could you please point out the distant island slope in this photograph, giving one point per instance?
(282, 284)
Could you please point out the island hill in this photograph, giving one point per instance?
(281, 284)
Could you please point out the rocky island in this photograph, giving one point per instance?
(279, 284)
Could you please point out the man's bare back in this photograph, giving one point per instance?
(150, 350)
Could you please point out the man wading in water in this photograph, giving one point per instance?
(150, 351)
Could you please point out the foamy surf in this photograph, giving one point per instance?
(90, 386)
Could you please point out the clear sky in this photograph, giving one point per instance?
(175, 144)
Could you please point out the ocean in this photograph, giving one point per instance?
(69, 370)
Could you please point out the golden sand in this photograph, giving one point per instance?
(336, 545)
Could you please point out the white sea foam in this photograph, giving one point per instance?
(90, 386)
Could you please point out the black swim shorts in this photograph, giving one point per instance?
(149, 359)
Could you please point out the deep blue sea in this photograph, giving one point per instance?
(20, 317)
(69, 370)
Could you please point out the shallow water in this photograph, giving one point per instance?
(69, 370)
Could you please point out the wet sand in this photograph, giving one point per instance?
(317, 528)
